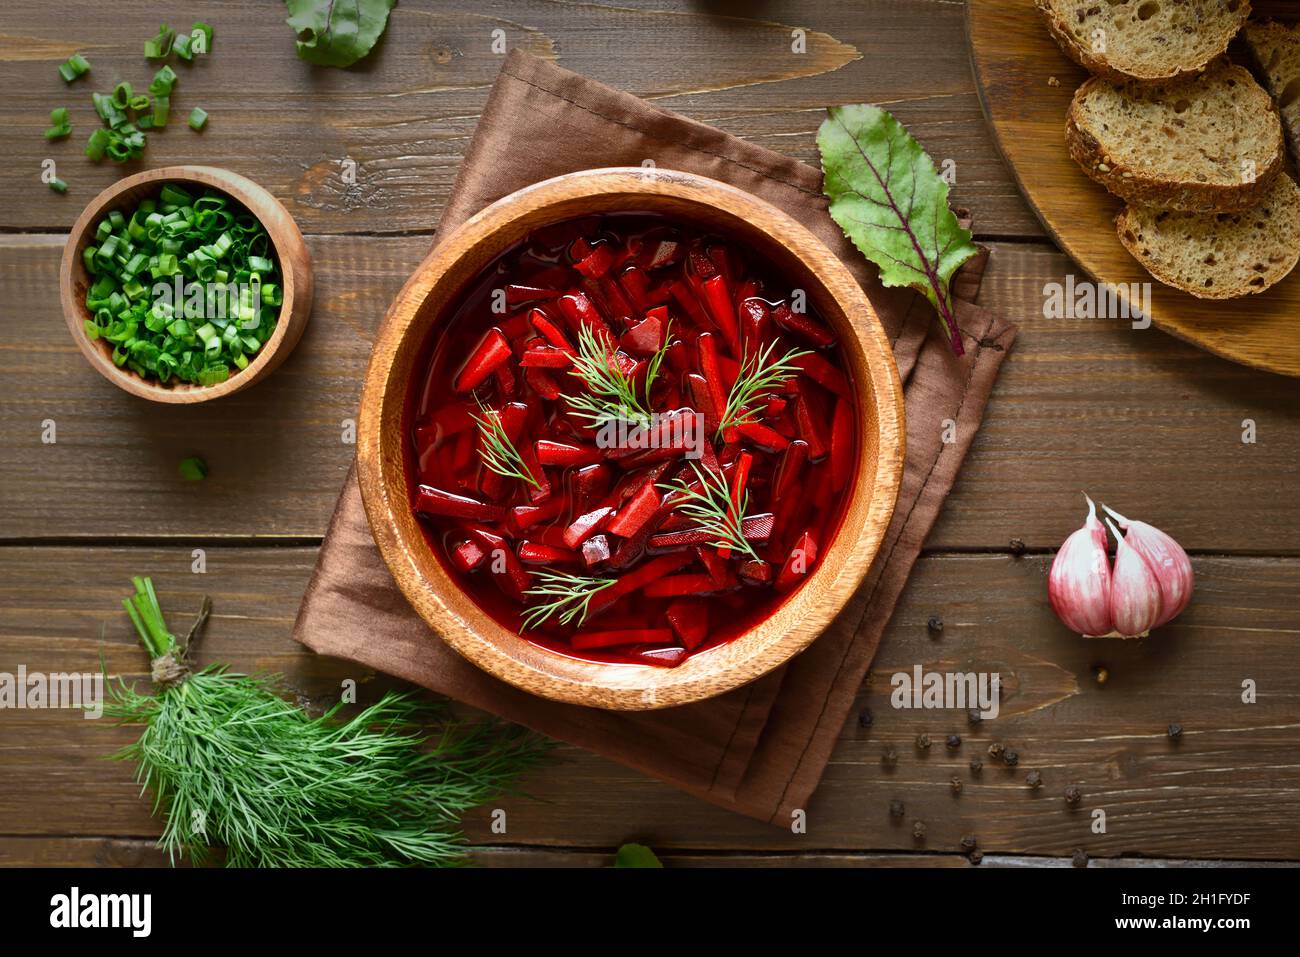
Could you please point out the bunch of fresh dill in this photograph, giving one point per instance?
(233, 765)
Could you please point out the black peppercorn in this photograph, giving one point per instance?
(969, 843)
(1012, 758)
(1175, 731)
(1079, 858)
(976, 765)
(864, 718)
(1034, 779)
(918, 830)
(896, 809)
(935, 624)
(923, 741)
(953, 742)
(976, 856)
(1073, 795)
(955, 782)
(974, 716)
(996, 749)
(889, 758)
(1017, 546)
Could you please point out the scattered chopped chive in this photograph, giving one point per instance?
(162, 106)
(58, 185)
(159, 46)
(97, 144)
(201, 28)
(193, 469)
(182, 47)
(108, 110)
(163, 81)
(198, 119)
(60, 125)
(73, 67)
(174, 291)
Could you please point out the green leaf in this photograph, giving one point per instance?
(891, 202)
(337, 32)
(636, 855)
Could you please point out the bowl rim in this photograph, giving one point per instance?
(796, 622)
(251, 196)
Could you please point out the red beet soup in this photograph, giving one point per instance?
(631, 439)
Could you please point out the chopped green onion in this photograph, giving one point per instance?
(198, 119)
(122, 94)
(97, 144)
(182, 47)
(139, 103)
(162, 107)
(183, 287)
(108, 110)
(73, 67)
(193, 469)
(203, 29)
(163, 81)
(175, 196)
(58, 185)
(158, 47)
(60, 126)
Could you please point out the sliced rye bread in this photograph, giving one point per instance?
(1212, 143)
(1144, 40)
(1276, 48)
(1218, 255)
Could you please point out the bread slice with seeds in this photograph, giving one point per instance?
(1218, 255)
(1144, 40)
(1276, 48)
(1212, 143)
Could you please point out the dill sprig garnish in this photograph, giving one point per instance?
(571, 596)
(233, 765)
(613, 394)
(712, 507)
(499, 453)
(757, 375)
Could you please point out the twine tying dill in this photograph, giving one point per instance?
(173, 667)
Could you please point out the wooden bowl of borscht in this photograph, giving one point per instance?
(630, 438)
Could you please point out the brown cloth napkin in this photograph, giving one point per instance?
(759, 749)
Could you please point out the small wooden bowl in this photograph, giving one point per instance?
(432, 292)
(290, 250)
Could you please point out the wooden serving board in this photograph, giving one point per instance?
(1014, 58)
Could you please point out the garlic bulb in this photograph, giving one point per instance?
(1149, 584)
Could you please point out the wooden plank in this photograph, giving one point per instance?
(405, 115)
(139, 852)
(1225, 790)
(1127, 415)
(1081, 404)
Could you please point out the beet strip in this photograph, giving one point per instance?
(492, 352)
(639, 578)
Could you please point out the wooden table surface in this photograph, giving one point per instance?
(1148, 424)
